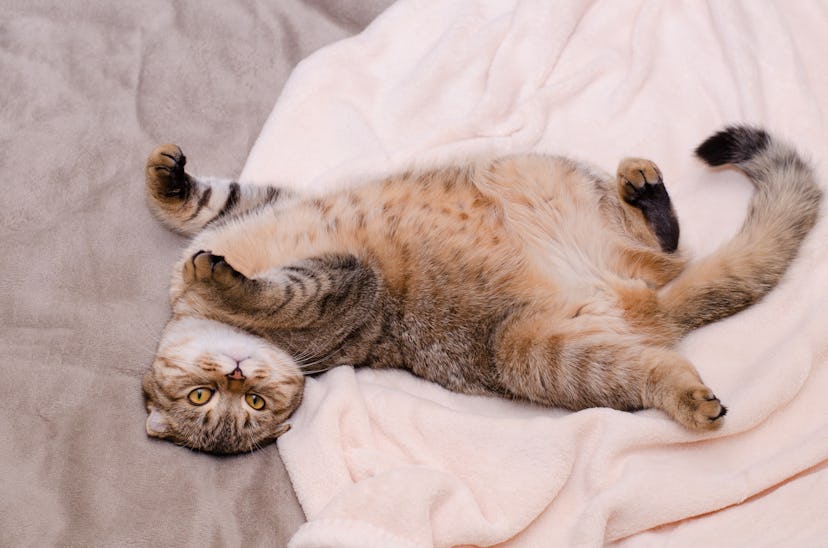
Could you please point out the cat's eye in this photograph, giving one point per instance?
(255, 401)
(200, 396)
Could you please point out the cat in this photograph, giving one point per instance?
(529, 277)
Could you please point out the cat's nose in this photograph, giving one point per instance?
(236, 374)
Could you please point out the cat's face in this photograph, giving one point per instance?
(215, 388)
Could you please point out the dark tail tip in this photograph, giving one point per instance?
(733, 145)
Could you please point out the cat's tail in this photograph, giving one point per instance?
(784, 208)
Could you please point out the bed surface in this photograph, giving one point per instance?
(87, 90)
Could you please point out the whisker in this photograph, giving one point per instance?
(319, 371)
(305, 364)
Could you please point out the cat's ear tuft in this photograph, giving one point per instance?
(157, 425)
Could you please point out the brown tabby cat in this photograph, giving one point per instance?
(529, 277)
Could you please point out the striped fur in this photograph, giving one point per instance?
(187, 204)
(528, 277)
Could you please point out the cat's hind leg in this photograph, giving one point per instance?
(186, 203)
(601, 370)
(641, 186)
(674, 386)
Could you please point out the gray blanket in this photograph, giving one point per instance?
(87, 89)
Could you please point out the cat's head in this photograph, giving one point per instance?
(218, 389)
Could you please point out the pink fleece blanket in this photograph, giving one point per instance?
(381, 458)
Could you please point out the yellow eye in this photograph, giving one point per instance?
(200, 396)
(255, 401)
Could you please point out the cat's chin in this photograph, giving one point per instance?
(190, 338)
(218, 389)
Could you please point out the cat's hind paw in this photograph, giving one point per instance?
(641, 185)
(698, 408)
(639, 180)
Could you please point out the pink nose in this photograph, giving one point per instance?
(236, 375)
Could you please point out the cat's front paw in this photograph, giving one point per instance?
(205, 268)
(166, 179)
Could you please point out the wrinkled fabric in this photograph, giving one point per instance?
(381, 458)
(87, 89)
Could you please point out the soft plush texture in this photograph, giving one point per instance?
(87, 90)
(381, 458)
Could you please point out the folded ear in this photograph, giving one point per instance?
(157, 425)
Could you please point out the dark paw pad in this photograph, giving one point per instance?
(165, 173)
(640, 182)
(206, 267)
(641, 185)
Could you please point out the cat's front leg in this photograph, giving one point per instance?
(217, 289)
(312, 292)
(213, 270)
(187, 203)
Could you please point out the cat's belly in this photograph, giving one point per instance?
(461, 249)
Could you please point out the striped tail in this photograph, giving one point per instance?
(784, 208)
(187, 204)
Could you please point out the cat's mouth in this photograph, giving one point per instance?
(236, 374)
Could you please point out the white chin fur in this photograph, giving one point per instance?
(191, 337)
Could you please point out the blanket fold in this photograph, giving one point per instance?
(381, 458)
